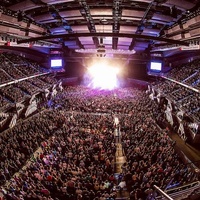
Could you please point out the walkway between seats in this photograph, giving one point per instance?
(120, 158)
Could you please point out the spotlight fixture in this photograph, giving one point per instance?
(104, 21)
(101, 51)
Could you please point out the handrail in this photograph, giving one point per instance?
(22, 79)
(182, 84)
(182, 190)
(162, 192)
(175, 102)
(183, 187)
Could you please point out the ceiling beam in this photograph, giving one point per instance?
(104, 34)
(87, 15)
(141, 25)
(117, 13)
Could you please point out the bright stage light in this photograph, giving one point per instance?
(103, 76)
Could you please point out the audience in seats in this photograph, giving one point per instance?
(28, 70)
(77, 148)
(11, 70)
(194, 80)
(28, 87)
(13, 58)
(12, 93)
(3, 102)
(48, 79)
(4, 77)
(18, 143)
(39, 83)
(185, 71)
(185, 98)
(17, 67)
(75, 145)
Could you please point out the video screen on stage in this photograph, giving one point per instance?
(155, 66)
(56, 63)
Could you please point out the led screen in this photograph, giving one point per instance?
(156, 66)
(56, 63)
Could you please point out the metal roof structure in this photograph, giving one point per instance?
(125, 25)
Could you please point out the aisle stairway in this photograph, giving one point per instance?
(120, 159)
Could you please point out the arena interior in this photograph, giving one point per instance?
(99, 100)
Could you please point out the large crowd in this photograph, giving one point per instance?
(74, 139)
(14, 67)
(184, 98)
(13, 94)
(77, 146)
(28, 87)
(23, 90)
(13, 72)
(3, 102)
(187, 99)
(188, 73)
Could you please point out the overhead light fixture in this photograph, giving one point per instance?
(106, 51)
(103, 21)
(101, 51)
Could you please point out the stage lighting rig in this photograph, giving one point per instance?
(101, 51)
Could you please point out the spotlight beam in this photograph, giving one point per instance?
(103, 76)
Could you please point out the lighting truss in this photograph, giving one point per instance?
(106, 51)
